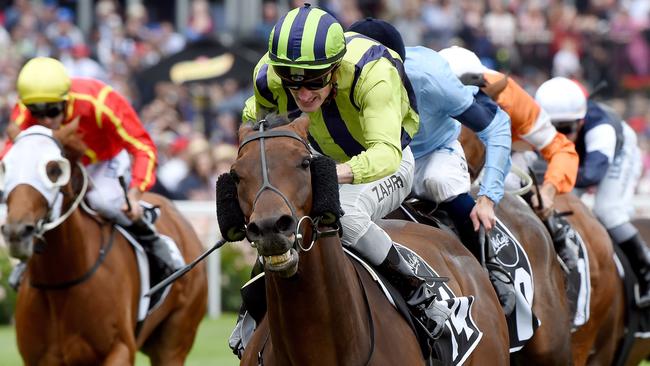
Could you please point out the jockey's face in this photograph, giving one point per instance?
(310, 100)
(569, 128)
(50, 115)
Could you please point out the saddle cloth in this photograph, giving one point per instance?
(578, 281)
(461, 334)
(512, 257)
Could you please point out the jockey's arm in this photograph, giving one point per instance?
(492, 125)
(381, 123)
(600, 146)
(135, 138)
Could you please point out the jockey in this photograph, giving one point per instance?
(610, 161)
(111, 130)
(532, 126)
(441, 173)
(362, 118)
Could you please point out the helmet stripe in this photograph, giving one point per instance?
(295, 34)
(276, 36)
(309, 35)
(320, 39)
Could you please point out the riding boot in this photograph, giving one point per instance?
(416, 292)
(564, 242)
(17, 275)
(159, 246)
(459, 209)
(501, 280)
(245, 325)
(638, 253)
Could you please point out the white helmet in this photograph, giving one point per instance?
(562, 99)
(462, 61)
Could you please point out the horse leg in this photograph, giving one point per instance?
(120, 354)
(172, 340)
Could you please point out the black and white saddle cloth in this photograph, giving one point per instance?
(512, 256)
(461, 334)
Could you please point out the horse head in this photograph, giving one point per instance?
(275, 193)
(35, 173)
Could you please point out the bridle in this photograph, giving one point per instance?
(45, 224)
(262, 135)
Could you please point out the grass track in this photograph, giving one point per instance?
(210, 346)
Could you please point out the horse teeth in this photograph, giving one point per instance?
(279, 259)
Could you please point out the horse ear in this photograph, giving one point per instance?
(301, 125)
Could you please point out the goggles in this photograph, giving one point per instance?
(308, 79)
(566, 127)
(46, 110)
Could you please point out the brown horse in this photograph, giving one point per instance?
(78, 302)
(596, 341)
(549, 304)
(321, 310)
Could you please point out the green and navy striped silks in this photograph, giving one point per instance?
(307, 38)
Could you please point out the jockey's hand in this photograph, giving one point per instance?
(344, 173)
(483, 213)
(548, 193)
(134, 195)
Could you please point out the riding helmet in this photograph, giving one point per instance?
(306, 44)
(43, 80)
(562, 99)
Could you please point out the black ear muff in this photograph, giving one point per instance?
(325, 190)
(229, 215)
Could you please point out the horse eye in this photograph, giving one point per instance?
(305, 163)
(53, 170)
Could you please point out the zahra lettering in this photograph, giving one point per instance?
(387, 186)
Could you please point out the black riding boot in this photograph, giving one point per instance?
(501, 280)
(564, 240)
(638, 253)
(414, 289)
(155, 244)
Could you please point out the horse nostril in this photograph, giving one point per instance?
(28, 230)
(285, 224)
(253, 230)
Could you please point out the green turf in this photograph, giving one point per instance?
(210, 346)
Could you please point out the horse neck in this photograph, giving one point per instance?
(322, 306)
(66, 253)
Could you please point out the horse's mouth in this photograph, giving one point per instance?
(285, 264)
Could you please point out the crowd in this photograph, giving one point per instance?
(603, 43)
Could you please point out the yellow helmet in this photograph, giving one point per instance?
(43, 80)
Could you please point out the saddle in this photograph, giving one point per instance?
(508, 252)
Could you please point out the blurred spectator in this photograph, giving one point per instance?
(270, 16)
(79, 64)
(566, 62)
(200, 23)
(199, 182)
